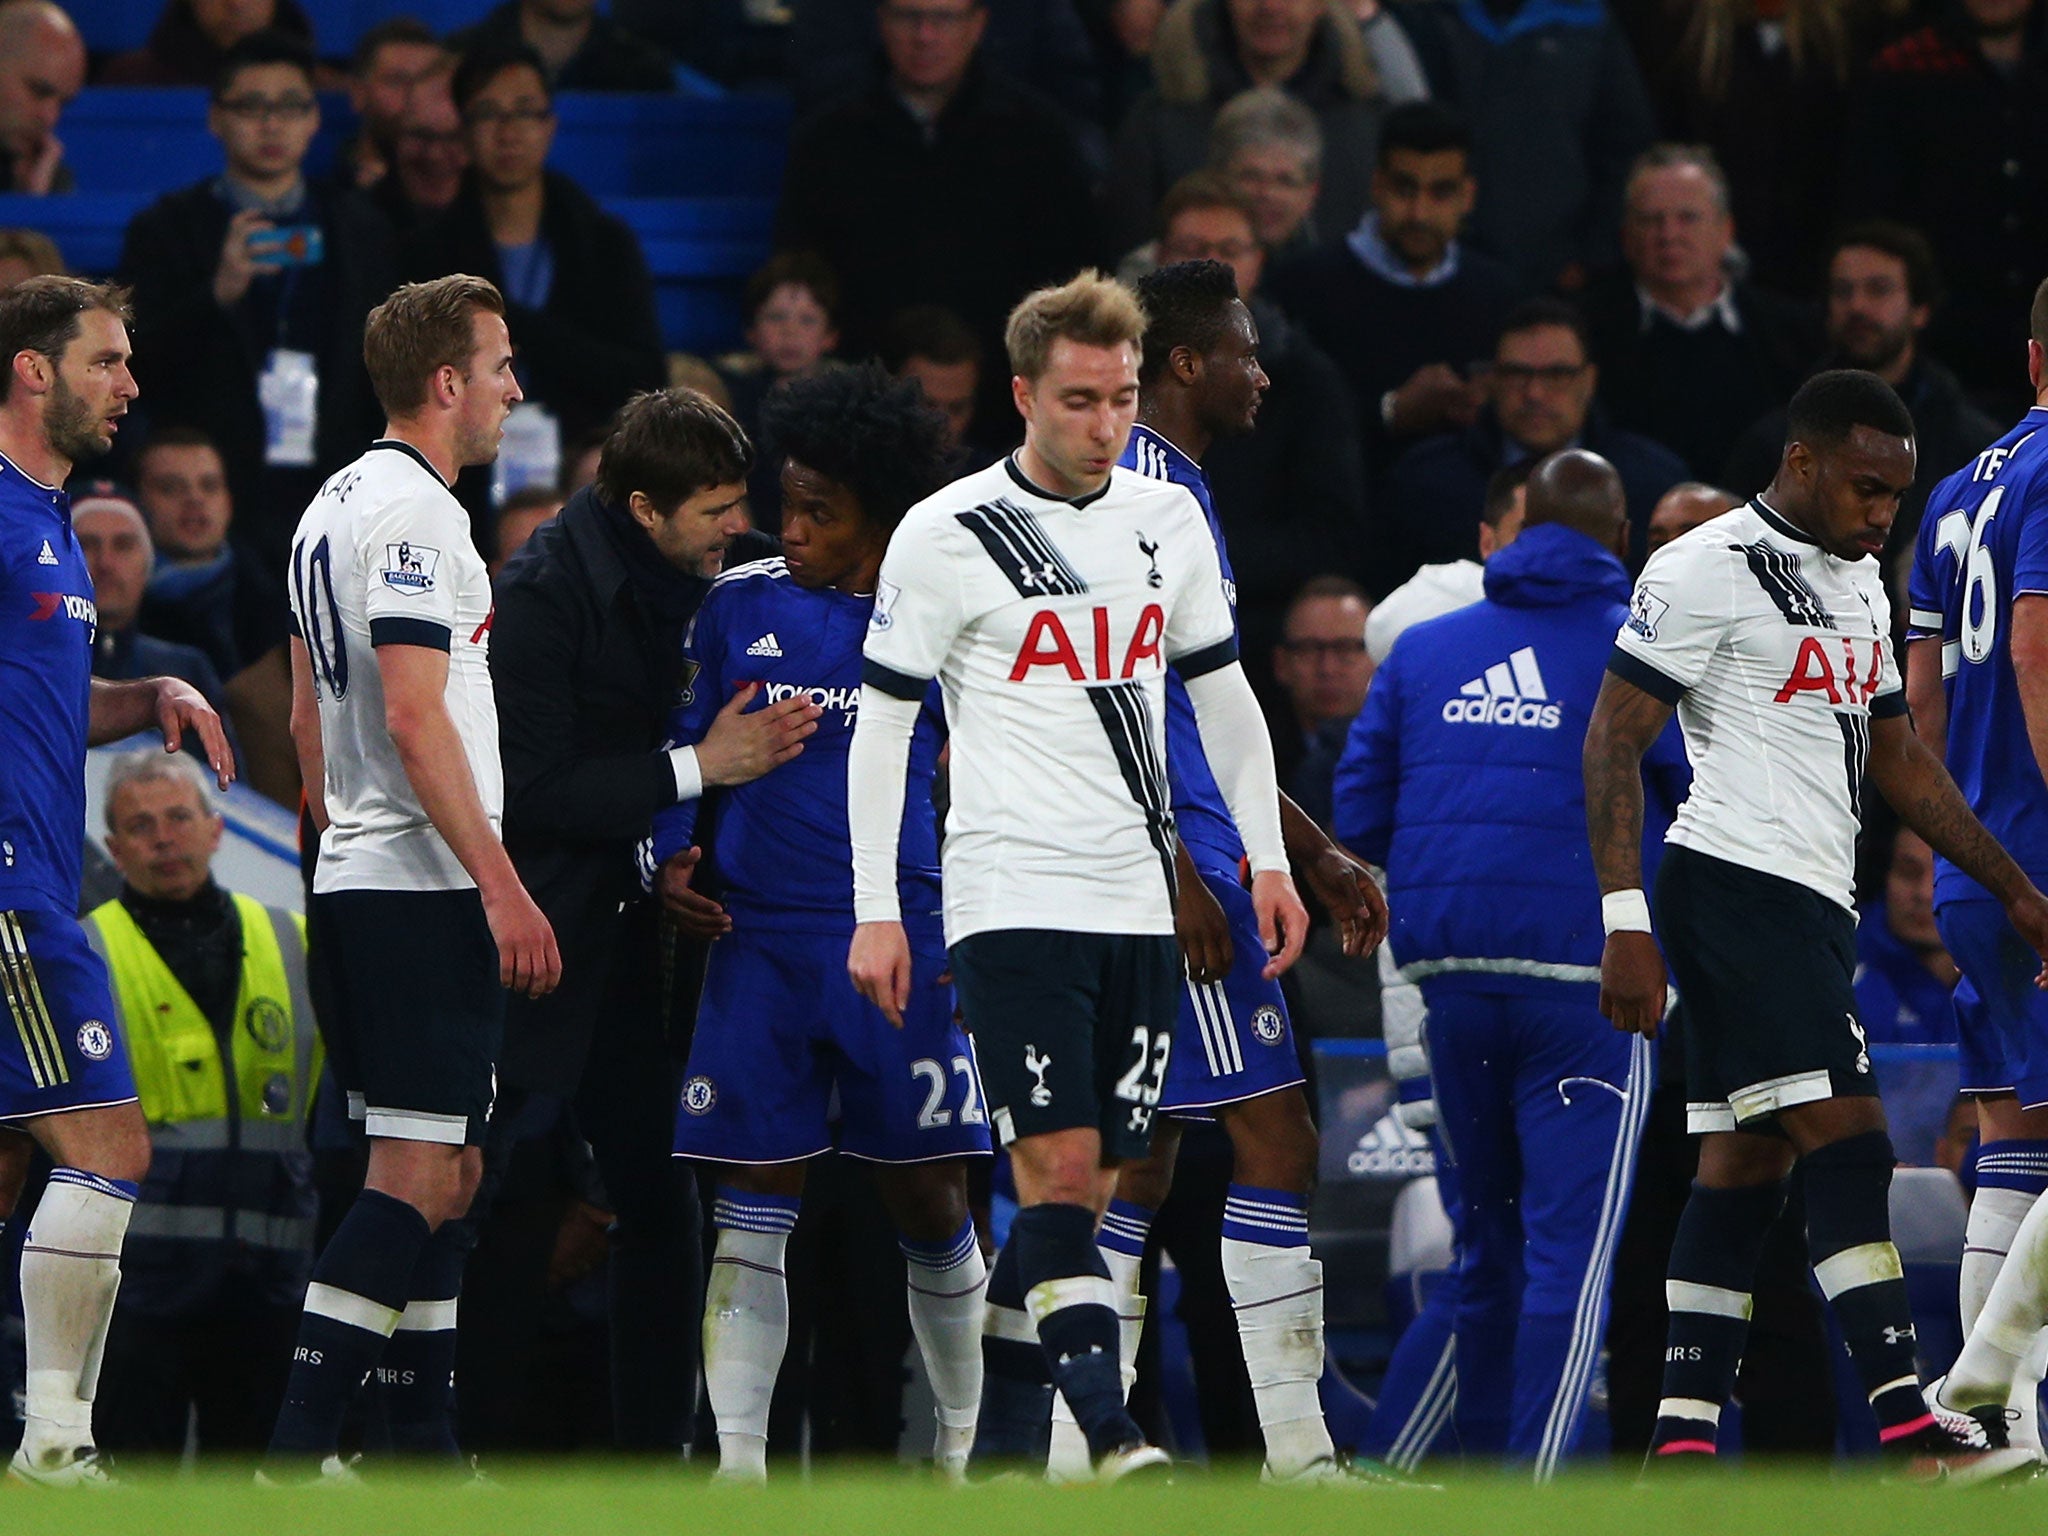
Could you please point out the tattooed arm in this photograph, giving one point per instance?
(1625, 721)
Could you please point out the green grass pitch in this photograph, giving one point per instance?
(584, 1498)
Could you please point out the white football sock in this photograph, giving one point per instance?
(1278, 1294)
(70, 1274)
(948, 1291)
(746, 1326)
(2023, 1407)
(2008, 1324)
(1995, 1216)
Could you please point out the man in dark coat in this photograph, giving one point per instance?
(1541, 389)
(583, 49)
(586, 663)
(251, 291)
(1882, 292)
(579, 300)
(942, 182)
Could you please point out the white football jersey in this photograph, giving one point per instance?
(1050, 624)
(1778, 655)
(383, 556)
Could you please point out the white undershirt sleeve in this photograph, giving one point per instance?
(877, 768)
(1241, 756)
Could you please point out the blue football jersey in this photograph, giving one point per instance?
(47, 624)
(1199, 809)
(780, 846)
(1983, 542)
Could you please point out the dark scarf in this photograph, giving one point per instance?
(665, 594)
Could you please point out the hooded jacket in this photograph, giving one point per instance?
(1351, 77)
(1462, 773)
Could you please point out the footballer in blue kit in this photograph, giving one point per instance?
(65, 1081)
(1234, 1056)
(1977, 621)
(788, 1060)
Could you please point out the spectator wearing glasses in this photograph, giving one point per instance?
(1323, 669)
(1540, 391)
(251, 291)
(391, 60)
(429, 153)
(579, 300)
(1269, 147)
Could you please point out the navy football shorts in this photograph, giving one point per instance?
(786, 1050)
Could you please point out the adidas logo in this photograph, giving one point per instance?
(1509, 692)
(48, 556)
(1390, 1150)
(767, 645)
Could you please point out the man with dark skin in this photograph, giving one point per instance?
(780, 1031)
(1753, 895)
(1200, 380)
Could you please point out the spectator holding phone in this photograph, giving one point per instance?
(251, 291)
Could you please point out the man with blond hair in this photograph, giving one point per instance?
(1048, 594)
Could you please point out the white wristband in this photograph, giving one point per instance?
(1625, 912)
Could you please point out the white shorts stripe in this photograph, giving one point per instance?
(347, 1307)
(1202, 1028)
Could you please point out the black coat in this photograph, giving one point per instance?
(597, 340)
(197, 364)
(585, 678)
(1653, 382)
(611, 58)
(995, 204)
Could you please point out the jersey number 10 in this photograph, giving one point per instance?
(319, 618)
(1959, 536)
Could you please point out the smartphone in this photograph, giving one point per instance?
(289, 245)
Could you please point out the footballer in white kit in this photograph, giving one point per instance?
(1048, 594)
(417, 921)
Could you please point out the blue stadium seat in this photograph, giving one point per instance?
(122, 137)
(113, 26)
(87, 226)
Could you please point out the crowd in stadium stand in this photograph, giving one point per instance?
(1471, 233)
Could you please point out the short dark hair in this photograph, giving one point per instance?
(1501, 486)
(527, 497)
(800, 269)
(40, 314)
(669, 444)
(1831, 405)
(420, 329)
(1901, 242)
(486, 61)
(878, 436)
(1325, 586)
(386, 34)
(2037, 316)
(272, 45)
(1202, 189)
(1424, 128)
(1535, 314)
(1186, 305)
(928, 330)
(176, 434)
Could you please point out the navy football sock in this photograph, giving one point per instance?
(1068, 1293)
(1713, 1263)
(417, 1373)
(1849, 1235)
(359, 1291)
(1015, 1422)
